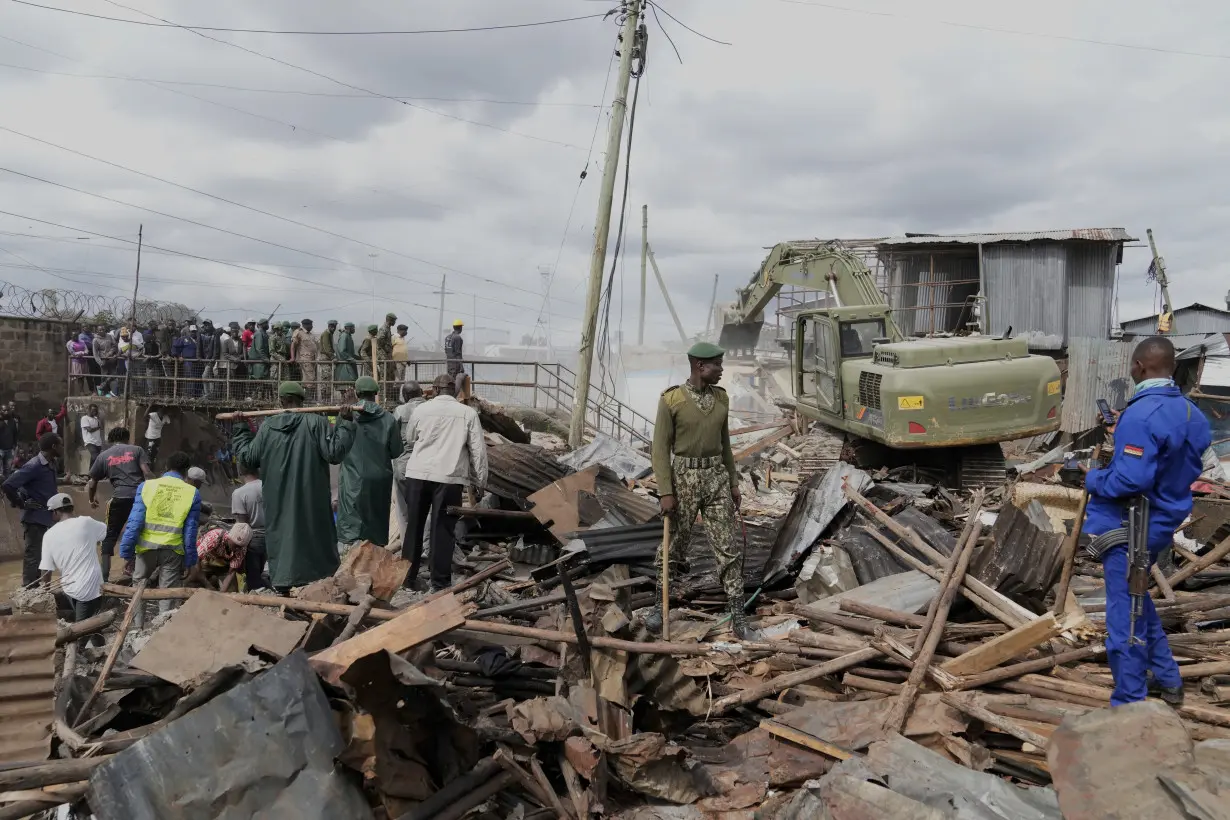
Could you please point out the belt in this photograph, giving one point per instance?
(696, 463)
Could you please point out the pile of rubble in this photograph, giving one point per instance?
(926, 653)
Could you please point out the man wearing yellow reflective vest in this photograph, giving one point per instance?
(161, 531)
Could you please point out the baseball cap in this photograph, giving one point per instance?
(60, 501)
(197, 474)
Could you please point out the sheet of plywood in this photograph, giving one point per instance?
(411, 628)
(211, 631)
(558, 505)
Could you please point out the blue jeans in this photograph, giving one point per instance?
(1129, 664)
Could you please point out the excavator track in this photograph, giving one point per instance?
(821, 450)
(981, 466)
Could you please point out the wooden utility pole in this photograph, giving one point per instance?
(683, 337)
(712, 307)
(1159, 272)
(640, 332)
(440, 326)
(602, 225)
(132, 328)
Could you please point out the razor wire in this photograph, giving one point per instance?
(74, 306)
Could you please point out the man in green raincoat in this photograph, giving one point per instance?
(365, 483)
(293, 452)
(365, 352)
(259, 352)
(345, 372)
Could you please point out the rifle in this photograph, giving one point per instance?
(1138, 563)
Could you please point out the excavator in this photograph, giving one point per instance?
(942, 402)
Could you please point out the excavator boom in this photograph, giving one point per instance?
(826, 267)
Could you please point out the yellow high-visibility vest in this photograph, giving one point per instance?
(168, 502)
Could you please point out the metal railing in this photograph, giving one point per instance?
(253, 384)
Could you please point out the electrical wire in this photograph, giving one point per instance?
(345, 84)
(294, 92)
(501, 27)
(198, 257)
(656, 5)
(270, 214)
(1017, 32)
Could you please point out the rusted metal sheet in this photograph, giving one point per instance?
(27, 686)
(1097, 369)
(1088, 234)
(1024, 555)
(518, 471)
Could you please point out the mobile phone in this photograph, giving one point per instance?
(1104, 408)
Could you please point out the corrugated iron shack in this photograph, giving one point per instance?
(1190, 325)
(1048, 286)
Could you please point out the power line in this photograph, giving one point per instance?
(344, 84)
(262, 212)
(296, 92)
(656, 5)
(198, 257)
(999, 30)
(501, 27)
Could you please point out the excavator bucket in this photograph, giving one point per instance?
(739, 335)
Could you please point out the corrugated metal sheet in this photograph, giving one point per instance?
(1189, 320)
(1090, 289)
(27, 686)
(1097, 369)
(1216, 372)
(1215, 344)
(1089, 234)
(1025, 290)
(928, 292)
(520, 470)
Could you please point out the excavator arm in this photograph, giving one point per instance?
(824, 267)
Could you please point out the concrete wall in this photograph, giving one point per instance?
(33, 367)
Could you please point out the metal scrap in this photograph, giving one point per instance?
(27, 686)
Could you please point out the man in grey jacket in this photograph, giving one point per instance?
(447, 452)
(106, 354)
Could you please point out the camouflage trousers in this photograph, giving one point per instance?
(704, 491)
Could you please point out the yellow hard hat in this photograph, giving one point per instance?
(458, 323)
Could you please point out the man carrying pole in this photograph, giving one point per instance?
(695, 471)
(1140, 499)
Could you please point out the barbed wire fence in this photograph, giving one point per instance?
(88, 308)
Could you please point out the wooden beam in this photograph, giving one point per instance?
(782, 682)
(1005, 647)
(1216, 554)
(803, 739)
(1026, 667)
(133, 607)
(999, 722)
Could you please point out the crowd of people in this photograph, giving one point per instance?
(286, 528)
(219, 360)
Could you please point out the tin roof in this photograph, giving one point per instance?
(1097, 369)
(27, 687)
(1087, 234)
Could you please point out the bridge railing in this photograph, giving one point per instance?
(253, 384)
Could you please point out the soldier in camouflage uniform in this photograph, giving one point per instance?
(278, 351)
(328, 352)
(695, 471)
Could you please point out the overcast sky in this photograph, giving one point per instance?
(867, 119)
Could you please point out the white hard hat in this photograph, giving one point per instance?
(59, 501)
(240, 534)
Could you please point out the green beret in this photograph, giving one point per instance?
(366, 384)
(334, 321)
(372, 328)
(390, 315)
(705, 350)
(349, 325)
(291, 389)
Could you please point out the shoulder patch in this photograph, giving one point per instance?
(669, 389)
(1133, 450)
(673, 397)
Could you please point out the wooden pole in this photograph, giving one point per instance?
(975, 507)
(114, 653)
(925, 649)
(1026, 667)
(783, 682)
(1068, 551)
(993, 720)
(666, 578)
(252, 414)
(1219, 552)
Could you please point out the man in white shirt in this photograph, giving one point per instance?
(153, 432)
(447, 451)
(70, 547)
(91, 433)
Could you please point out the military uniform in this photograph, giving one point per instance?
(278, 352)
(384, 351)
(693, 461)
(327, 355)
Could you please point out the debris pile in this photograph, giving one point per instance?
(925, 653)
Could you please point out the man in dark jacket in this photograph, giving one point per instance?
(8, 441)
(293, 452)
(186, 351)
(29, 489)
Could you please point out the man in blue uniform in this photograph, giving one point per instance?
(1160, 438)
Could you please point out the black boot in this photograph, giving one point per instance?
(653, 619)
(738, 619)
(1172, 696)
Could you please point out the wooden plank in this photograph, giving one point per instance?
(803, 739)
(1011, 644)
(411, 628)
(1003, 724)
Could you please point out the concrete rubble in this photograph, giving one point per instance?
(914, 664)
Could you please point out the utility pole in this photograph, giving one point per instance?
(602, 225)
(132, 328)
(640, 333)
(683, 337)
(440, 326)
(712, 307)
(1158, 271)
